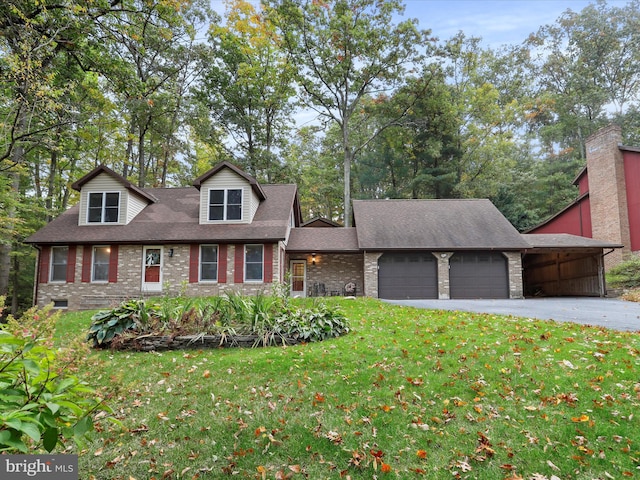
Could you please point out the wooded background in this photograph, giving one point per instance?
(161, 90)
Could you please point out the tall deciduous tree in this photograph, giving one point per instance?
(588, 69)
(345, 51)
(247, 88)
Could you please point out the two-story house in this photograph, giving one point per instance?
(227, 232)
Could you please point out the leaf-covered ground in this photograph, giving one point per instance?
(407, 394)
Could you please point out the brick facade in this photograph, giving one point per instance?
(333, 272)
(175, 279)
(514, 266)
(607, 191)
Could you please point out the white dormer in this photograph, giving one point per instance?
(228, 196)
(107, 198)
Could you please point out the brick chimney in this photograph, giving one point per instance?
(607, 191)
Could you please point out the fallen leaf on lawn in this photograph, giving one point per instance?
(581, 418)
(386, 468)
(421, 453)
(206, 374)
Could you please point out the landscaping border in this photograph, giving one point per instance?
(147, 343)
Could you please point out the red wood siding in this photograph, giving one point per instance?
(194, 263)
(583, 183)
(575, 220)
(113, 264)
(86, 263)
(268, 263)
(222, 263)
(71, 264)
(45, 258)
(238, 264)
(632, 181)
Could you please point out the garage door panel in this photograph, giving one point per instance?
(407, 276)
(478, 275)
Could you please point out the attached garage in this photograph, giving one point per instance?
(479, 275)
(407, 275)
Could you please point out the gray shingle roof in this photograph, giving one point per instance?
(433, 225)
(322, 239)
(565, 240)
(174, 218)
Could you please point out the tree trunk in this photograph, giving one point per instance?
(348, 156)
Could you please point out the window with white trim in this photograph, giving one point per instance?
(225, 204)
(253, 263)
(58, 270)
(104, 207)
(100, 264)
(208, 263)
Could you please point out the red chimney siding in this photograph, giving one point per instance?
(222, 263)
(45, 258)
(268, 263)
(632, 179)
(194, 263)
(86, 263)
(71, 264)
(238, 264)
(113, 264)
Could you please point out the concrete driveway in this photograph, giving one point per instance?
(607, 312)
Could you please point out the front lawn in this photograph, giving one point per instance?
(406, 394)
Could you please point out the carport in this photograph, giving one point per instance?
(558, 265)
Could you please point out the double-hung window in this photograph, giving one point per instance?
(253, 264)
(58, 271)
(104, 207)
(225, 204)
(100, 264)
(208, 263)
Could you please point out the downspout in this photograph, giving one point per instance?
(36, 275)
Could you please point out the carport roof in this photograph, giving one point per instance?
(434, 225)
(565, 240)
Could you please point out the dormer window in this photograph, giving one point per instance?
(104, 207)
(225, 204)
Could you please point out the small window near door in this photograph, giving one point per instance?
(208, 263)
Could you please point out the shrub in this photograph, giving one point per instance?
(312, 325)
(626, 274)
(41, 405)
(130, 315)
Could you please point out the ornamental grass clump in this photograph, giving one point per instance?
(268, 318)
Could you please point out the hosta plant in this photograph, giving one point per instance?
(130, 315)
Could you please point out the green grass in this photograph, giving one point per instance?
(407, 394)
